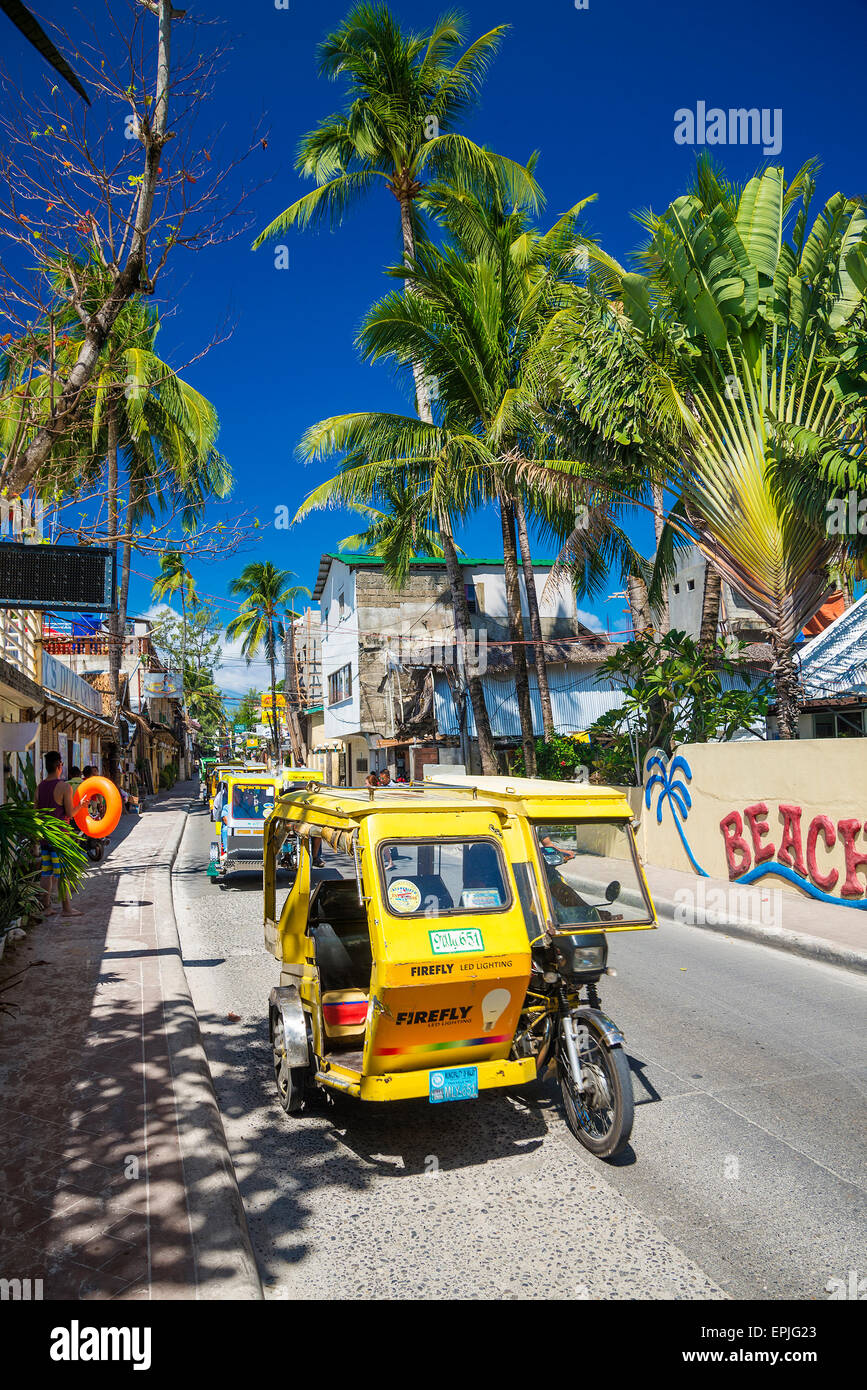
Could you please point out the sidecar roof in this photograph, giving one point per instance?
(531, 797)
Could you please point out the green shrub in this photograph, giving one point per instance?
(557, 758)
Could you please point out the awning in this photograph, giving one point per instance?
(86, 714)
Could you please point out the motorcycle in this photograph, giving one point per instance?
(460, 956)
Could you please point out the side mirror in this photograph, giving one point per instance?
(612, 892)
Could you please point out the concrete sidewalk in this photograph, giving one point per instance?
(115, 1178)
(765, 913)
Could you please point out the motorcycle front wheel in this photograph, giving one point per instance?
(600, 1116)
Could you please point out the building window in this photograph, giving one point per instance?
(677, 588)
(340, 685)
(845, 724)
(690, 584)
(475, 597)
(341, 608)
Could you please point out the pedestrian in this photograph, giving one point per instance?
(385, 778)
(55, 796)
(371, 781)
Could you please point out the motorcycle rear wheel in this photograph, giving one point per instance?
(600, 1118)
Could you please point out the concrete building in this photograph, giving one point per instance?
(388, 658)
(44, 705)
(686, 593)
(161, 735)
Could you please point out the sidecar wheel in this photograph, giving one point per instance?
(600, 1118)
(293, 1083)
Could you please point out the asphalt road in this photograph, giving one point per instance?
(745, 1177)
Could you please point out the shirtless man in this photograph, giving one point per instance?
(54, 795)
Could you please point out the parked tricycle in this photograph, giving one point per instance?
(463, 949)
(243, 802)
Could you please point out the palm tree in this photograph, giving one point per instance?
(478, 317)
(32, 30)
(163, 430)
(137, 417)
(406, 94)
(742, 339)
(175, 578)
(398, 531)
(266, 594)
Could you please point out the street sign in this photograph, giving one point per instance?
(55, 578)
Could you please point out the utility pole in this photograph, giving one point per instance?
(290, 687)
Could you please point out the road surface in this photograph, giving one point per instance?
(745, 1178)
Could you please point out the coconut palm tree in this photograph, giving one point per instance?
(266, 594)
(477, 317)
(398, 531)
(162, 430)
(151, 431)
(406, 94)
(176, 578)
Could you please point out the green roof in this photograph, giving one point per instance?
(353, 559)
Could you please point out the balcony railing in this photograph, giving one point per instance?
(19, 640)
(93, 646)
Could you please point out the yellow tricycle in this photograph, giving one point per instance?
(461, 947)
(242, 804)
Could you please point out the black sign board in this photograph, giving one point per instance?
(56, 578)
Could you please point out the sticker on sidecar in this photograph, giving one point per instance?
(404, 895)
(455, 1083)
(456, 943)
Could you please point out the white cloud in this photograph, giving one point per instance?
(234, 677)
(156, 611)
(590, 620)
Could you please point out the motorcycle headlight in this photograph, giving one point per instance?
(589, 958)
(581, 959)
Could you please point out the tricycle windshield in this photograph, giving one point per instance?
(443, 878)
(591, 873)
(250, 802)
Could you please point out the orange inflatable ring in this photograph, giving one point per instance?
(97, 786)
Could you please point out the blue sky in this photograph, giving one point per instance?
(594, 90)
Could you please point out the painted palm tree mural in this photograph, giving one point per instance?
(661, 773)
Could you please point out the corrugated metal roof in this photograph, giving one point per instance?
(835, 661)
(577, 701)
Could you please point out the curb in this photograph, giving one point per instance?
(778, 938)
(223, 1252)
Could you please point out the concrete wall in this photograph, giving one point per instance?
(811, 831)
(340, 648)
(686, 593)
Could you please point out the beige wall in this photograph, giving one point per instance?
(823, 777)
